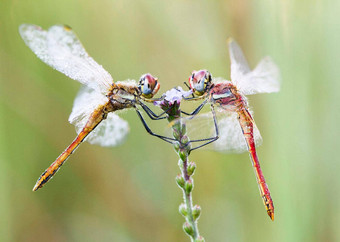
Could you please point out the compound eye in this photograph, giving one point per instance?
(147, 89)
(199, 81)
(148, 85)
(141, 83)
(199, 85)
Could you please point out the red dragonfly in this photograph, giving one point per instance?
(94, 107)
(236, 128)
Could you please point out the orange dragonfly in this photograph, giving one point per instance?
(93, 110)
(236, 129)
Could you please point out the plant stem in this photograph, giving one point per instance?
(184, 180)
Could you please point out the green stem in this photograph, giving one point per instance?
(185, 180)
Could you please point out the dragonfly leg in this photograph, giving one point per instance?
(186, 84)
(197, 110)
(209, 140)
(167, 139)
(151, 114)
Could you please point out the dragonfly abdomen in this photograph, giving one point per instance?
(247, 125)
(95, 118)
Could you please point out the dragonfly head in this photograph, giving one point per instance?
(200, 81)
(148, 85)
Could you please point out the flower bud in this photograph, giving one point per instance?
(183, 155)
(196, 212)
(191, 168)
(188, 186)
(176, 146)
(176, 134)
(183, 209)
(185, 140)
(180, 181)
(188, 229)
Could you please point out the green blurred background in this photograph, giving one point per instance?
(128, 193)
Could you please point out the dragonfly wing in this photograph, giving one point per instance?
(239, 65)
(263, 79)
(110, 132)
(231, 138)
(60, 48)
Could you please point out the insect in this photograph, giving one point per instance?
(94, 107)
(236, 128)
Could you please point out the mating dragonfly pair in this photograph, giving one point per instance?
(94, 108)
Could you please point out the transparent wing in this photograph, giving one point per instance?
(60, 48)
(110, 132)
(239, 65)
(263, 79)
(231, 139)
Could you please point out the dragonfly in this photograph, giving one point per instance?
(237, 131)
(93, 112)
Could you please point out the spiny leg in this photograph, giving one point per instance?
(167, 139)
(212, 139)
(172, 140)
(151, 114)
(197, 110)
(96, 117)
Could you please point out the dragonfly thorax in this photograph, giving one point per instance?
(226, 95)
(122, 97)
